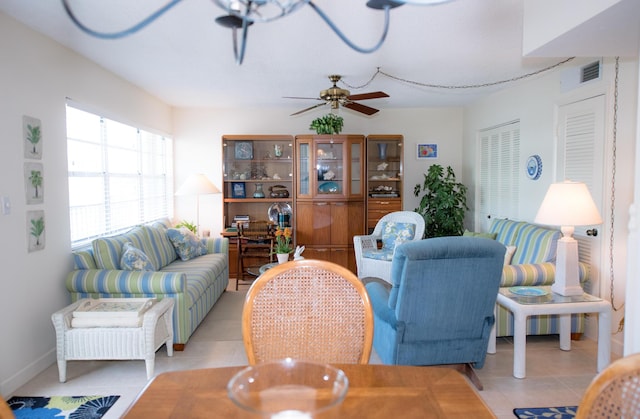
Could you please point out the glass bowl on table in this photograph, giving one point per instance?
(288, 389)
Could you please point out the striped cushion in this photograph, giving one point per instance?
(108, 250)
(535, 244)
(528, 274)
(83, 259)
(158, 247)
(163, 223)
(536, 325)
(218, 245)
(201, 273)
(506, 230)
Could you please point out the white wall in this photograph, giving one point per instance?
(198, 145)
(534, 103)
(36, 77)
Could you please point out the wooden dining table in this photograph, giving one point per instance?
(375, 391)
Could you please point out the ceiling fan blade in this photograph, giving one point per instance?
(371, 95)
(309, 108)
(298, 97)
(358, 107)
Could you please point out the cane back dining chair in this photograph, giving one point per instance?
(310, 310)
(615, 392)
(393, 229)
(5, 410)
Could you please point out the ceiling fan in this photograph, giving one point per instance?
(341, 97)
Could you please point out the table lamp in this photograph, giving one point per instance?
(197, 184)
(567, 204)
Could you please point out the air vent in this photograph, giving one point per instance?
(574, 77)
(590, 72)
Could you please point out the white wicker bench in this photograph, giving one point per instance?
(114, 343)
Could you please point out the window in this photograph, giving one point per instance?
(119, 176)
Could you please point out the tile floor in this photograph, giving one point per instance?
(554, 377)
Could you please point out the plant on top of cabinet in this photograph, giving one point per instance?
(328, 124)
(443, 204)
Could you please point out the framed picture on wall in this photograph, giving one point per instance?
(238, 190)
(35, 230)
(32, 137)
(34, 183)
(427, 151)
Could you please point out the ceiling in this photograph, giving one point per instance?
(186, 59)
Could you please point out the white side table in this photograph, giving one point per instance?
(113, 343)
(551, 303)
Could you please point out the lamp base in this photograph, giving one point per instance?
(567, 282)
(566, 290)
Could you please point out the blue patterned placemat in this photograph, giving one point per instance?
(564, 412)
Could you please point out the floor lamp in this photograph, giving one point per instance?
(197, 184)
(568, 204)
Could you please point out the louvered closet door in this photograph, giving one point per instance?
(581, 158)
(498, 194)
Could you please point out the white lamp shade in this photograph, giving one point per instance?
(568, 204)
(197, 184)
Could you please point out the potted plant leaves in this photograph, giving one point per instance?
(328, 124)
(443, 203)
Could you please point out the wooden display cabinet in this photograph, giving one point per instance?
(384, 176)
(253, 168)
(330, 190)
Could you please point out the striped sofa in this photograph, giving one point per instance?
(195, 284)
(533, 263)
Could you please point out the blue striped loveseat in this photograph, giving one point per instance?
(195, 284)
(532, 263)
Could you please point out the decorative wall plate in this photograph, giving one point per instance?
(534, 167)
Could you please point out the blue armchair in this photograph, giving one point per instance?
(439, 309)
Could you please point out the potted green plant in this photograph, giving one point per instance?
(188, 225)
(443, 203)
(328, 124)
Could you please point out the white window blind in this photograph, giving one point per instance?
(498, 192)
(119, 176)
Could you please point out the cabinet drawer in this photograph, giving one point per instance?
(387, 205)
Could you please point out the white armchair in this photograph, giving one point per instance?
(392, 229)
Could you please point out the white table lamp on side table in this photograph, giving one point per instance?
(197, 184)
(568, 204)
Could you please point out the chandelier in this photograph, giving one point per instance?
(243, 13)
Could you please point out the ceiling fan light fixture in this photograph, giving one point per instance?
(242, 13)
(260, 10)
(337, 97)
(230, 21)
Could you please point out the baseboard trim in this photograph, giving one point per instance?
(22, 377)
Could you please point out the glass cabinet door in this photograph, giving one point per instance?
(304, 170)
(356, 162)
(384, 166)
(330, 170)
